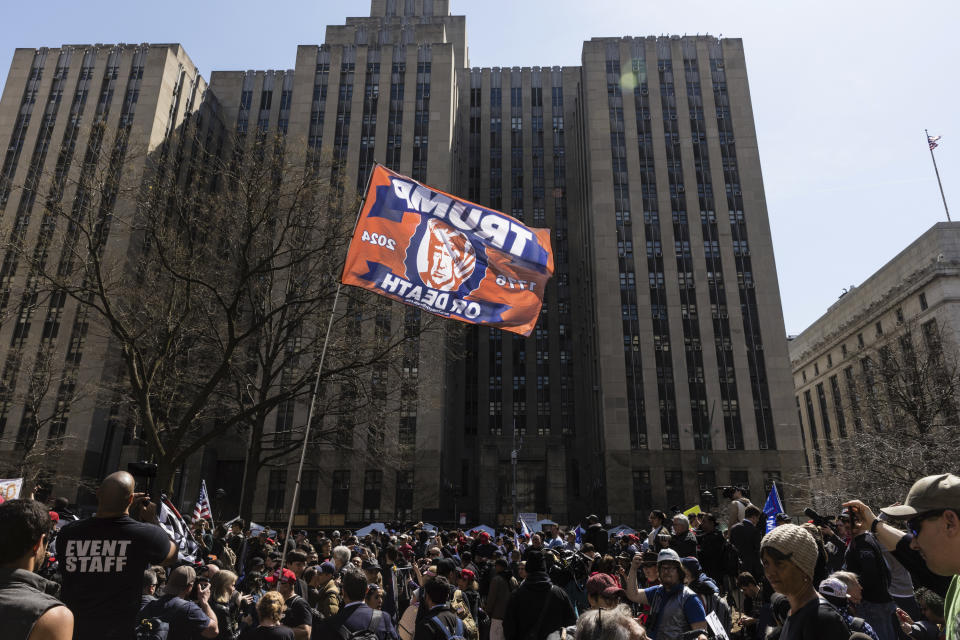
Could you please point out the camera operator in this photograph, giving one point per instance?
(184, 605)
(102, 560)
(739, 501)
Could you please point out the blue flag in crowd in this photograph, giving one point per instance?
(772, 508)
(579, 531)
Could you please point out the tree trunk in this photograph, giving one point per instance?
(163, 483)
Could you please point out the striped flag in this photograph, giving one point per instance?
(932, 141)
(172, 522)
(202, 508)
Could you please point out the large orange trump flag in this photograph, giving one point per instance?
(455, 259)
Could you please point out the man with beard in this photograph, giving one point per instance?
(674, 608)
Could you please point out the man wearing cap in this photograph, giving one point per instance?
(834, 591)
(603, 592)
(501, 586)
(185, 617)
(329, 595)
(297, 615)
(674, 608)
(789, 555)
(932, 511)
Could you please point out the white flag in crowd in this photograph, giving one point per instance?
(202, 508)
(172, 522)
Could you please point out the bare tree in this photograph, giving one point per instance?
(34, 449)
(902, 396)
(212, 273)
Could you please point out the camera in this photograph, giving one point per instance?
(200, 581)
(728, 491)
(819, 520)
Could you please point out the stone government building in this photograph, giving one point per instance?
(659, 366)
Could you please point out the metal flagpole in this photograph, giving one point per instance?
(937, 171)
(316, 388)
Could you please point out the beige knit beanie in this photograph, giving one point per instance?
(796, 543)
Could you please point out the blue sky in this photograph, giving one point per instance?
(842, 92)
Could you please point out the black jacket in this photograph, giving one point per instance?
(711, 554)
(597, 536)
(354, 617)
(537, 600)
(685, 544)
(746, 538)
(427, 629)
(865, 559)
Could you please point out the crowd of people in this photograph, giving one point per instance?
(119, 576)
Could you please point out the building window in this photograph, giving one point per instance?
(860, 340)
(340, 492)
(899, 315)
(829, 360)
(307, 502)
(642, 496)
(673, 484)
(923, 302)
(843, 350)
(879, 328)
(277, 491)
(372, 485)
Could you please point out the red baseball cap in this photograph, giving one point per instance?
(469, 575)
(287, 577)
(603, 584)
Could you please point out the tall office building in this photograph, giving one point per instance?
(643, 162)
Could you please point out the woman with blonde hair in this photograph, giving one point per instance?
(270, 609)
(225, 602)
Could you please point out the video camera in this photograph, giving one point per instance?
(727, 491)
(819, 520)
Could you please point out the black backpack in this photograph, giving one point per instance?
(730, 560)
(152, 629)
(368, 633)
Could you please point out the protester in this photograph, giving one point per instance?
(736, 510)
(683, 540)
(932, 511)
(674, 608)
(28, 606)
(610, 624)
(835, 591)
(270, 611)
(225, 602)
(149, 587)
(789, 555)
(537, 607)
(603, 592)
(745, 536)
(865, 558)
(185, 609)
(102, 560)
(355, 615)
(328, 595)
(297, 615)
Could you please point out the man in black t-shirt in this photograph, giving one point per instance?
(102, 560)
(298, 616)
(187, 619)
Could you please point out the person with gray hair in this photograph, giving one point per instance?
(609, 624)
(149, 587)
(340, 557)
(683, 540)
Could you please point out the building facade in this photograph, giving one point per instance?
(658, 368)
(913, 296)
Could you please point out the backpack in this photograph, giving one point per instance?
(462, 608)
(457, 634)
(730, 560)
(369, 633)
(152, 629)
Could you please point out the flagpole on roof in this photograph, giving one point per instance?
(932, 143)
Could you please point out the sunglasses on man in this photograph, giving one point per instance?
(915, 524)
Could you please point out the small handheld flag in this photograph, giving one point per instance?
(448, 256)
(772, 507)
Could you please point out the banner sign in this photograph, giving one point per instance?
(448, 256)
(10, 489)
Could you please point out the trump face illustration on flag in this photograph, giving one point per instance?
(445, 258)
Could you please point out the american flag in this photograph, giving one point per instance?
(202, 508)
(932, 141)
